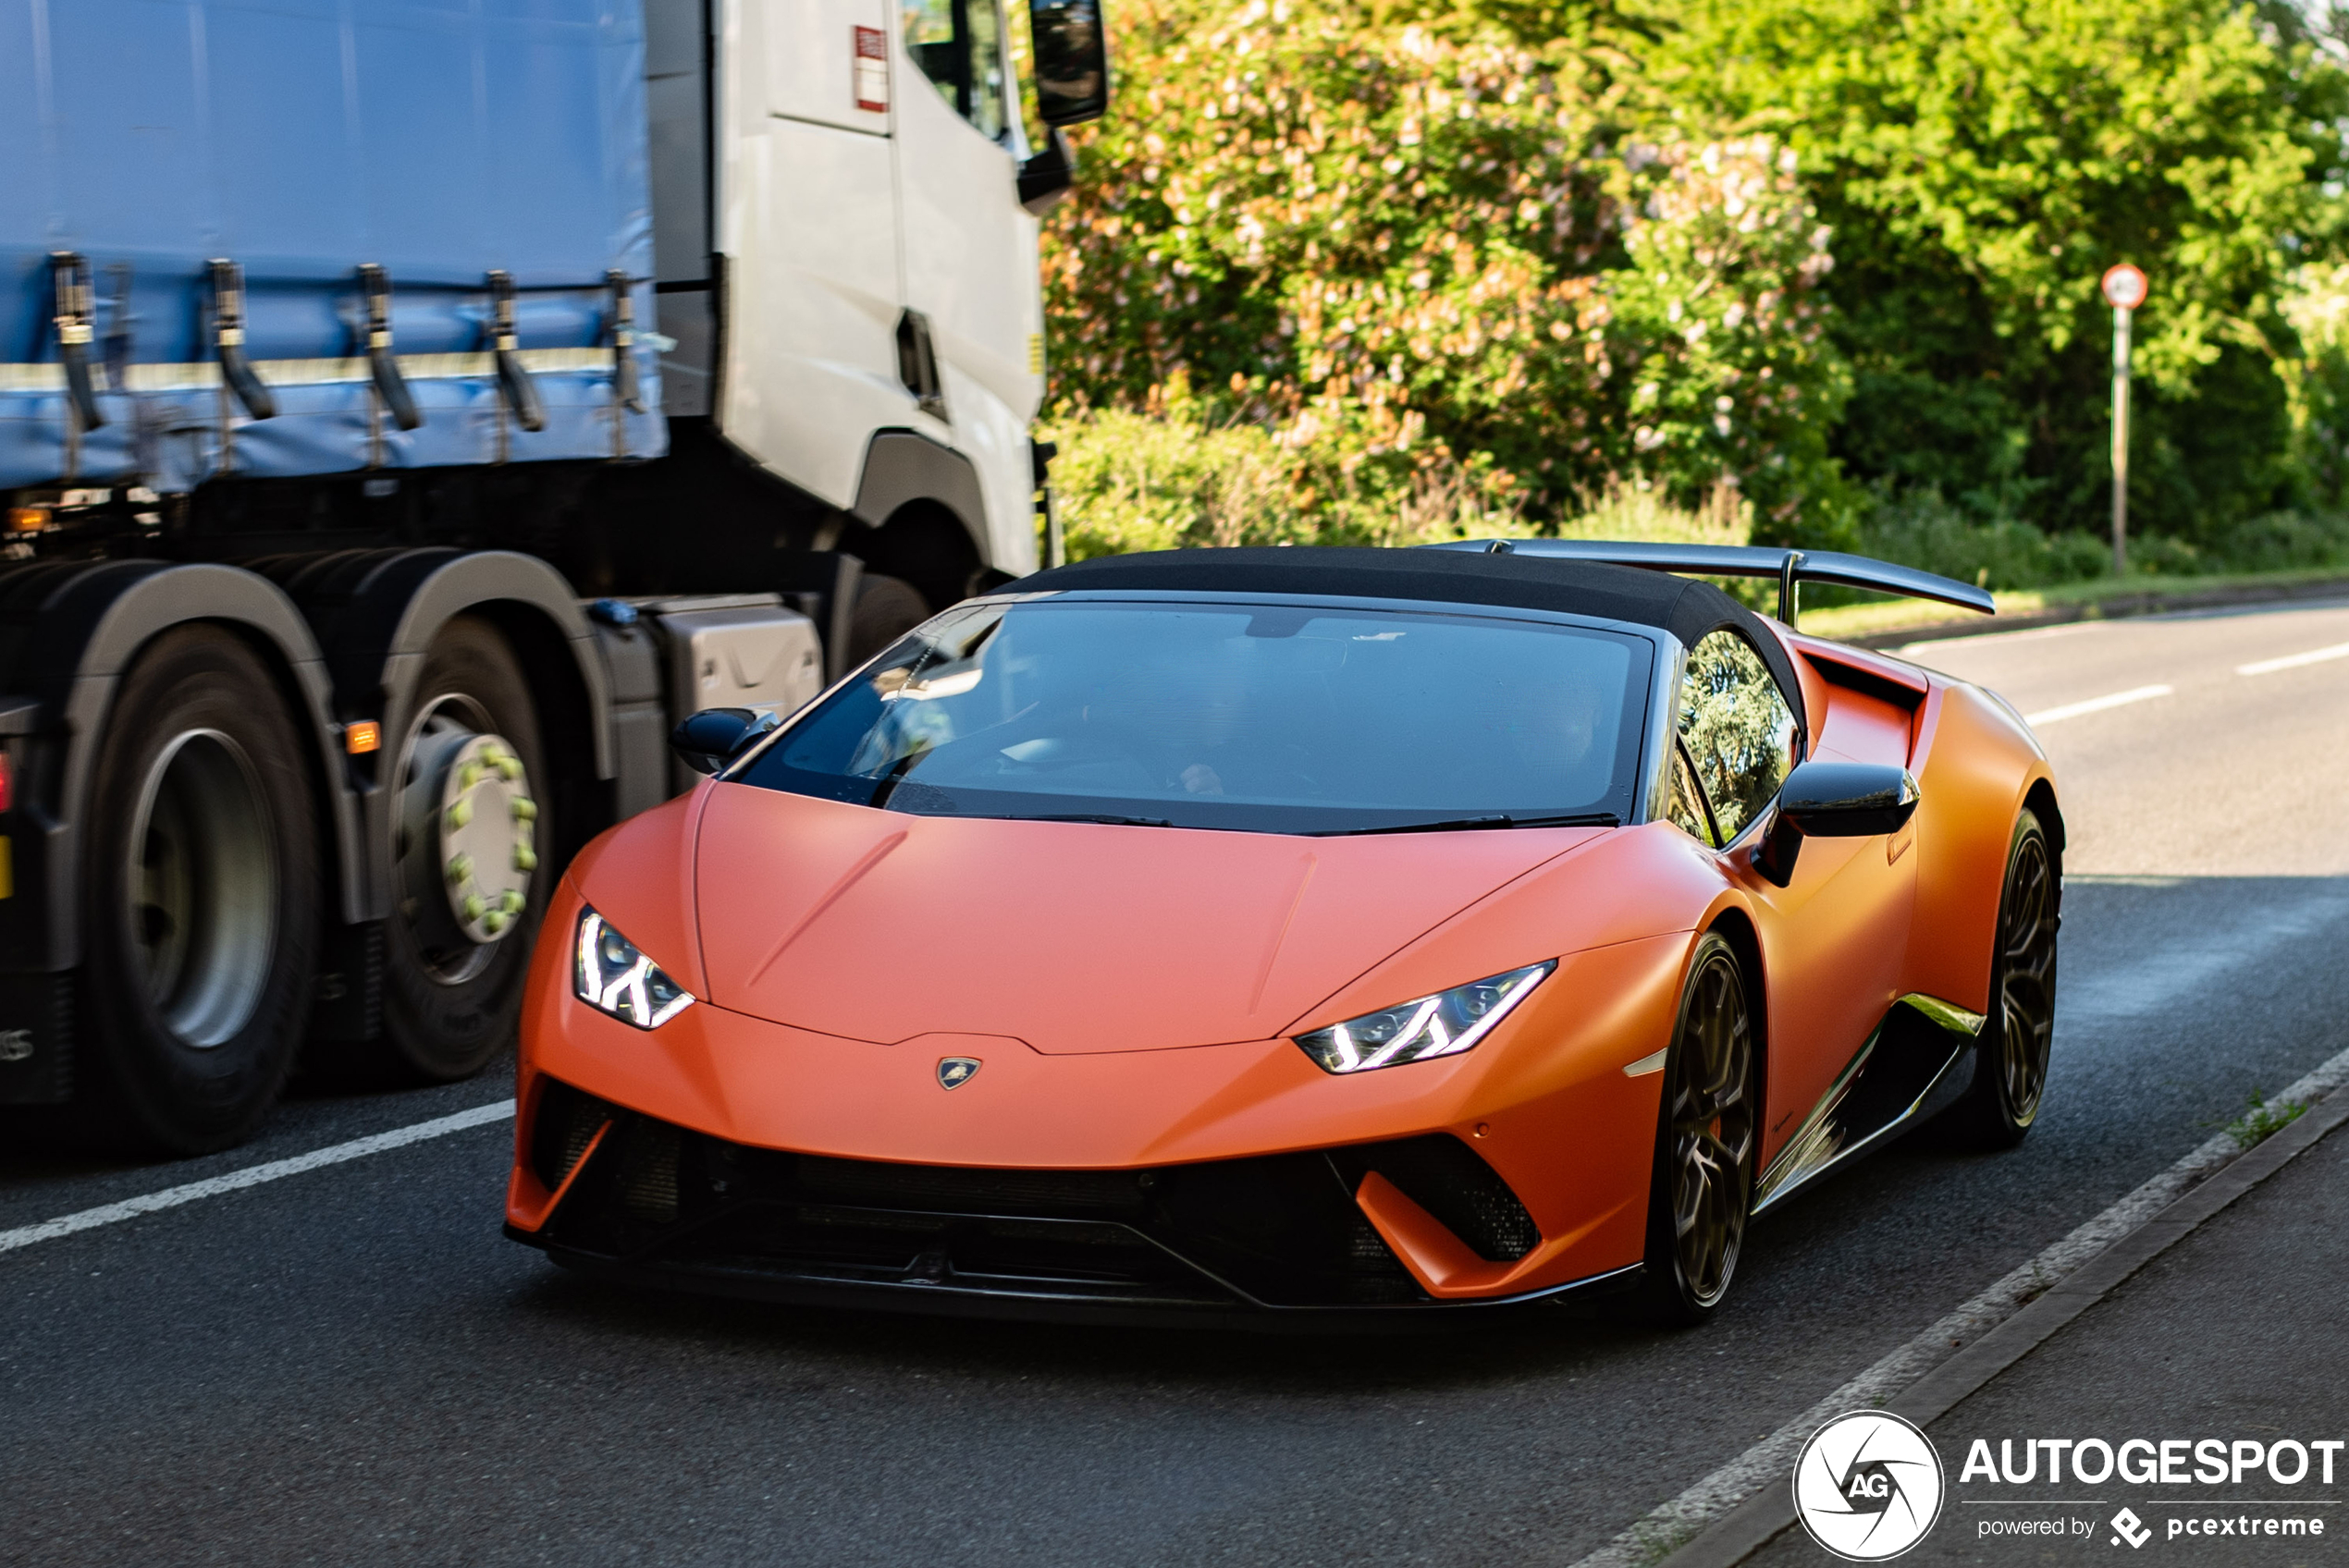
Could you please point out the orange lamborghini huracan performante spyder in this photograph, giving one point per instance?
(1263, 935)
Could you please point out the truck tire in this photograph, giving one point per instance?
(468, 885)
(887, 609)
(203, 892)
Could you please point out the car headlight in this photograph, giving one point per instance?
(611, 976)
(1443, 1025)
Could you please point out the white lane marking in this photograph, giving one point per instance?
(1771, 1460)
(2294, 661)
(252, 1176)
(2096, 705)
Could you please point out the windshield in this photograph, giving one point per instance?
(1257, 717)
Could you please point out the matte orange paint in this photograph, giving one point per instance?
(1132, 992)
(1074, 936)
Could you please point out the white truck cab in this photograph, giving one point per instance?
(842, 249)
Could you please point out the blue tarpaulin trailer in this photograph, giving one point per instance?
(144, 143)
(405, 403)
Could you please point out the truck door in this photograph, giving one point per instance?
(809, 221)
(968, 248)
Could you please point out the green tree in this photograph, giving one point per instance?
(1980, 162)
(1399, 238)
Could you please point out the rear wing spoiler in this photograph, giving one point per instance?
(1792, 567)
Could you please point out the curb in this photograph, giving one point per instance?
(1763, 1517)
(2118, 607)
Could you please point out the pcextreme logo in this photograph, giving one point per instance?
(1868, 1485)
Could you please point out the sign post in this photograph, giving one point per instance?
(2125, 287)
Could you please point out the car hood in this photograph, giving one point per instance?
(1073, 938)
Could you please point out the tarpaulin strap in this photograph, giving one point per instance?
(69, 273)
(624, 388)
(382, 366)
(228, 340)
(513, 381)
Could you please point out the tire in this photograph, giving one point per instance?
(202, 881)
(887, 609)
(2011, 1059)
(1702, 1189)
(452, 987)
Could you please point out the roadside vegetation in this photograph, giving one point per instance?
(1820, 272)
(2260, 1121)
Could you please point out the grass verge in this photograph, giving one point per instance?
(2133, 594)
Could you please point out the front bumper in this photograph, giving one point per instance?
(1119, 1151)
(1268, 1240)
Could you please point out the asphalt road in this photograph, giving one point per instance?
(351, 1365)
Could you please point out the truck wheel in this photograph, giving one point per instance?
(467, 835)
(887, 609)
(202, 894)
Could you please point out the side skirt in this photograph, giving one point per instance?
(1917, 1060)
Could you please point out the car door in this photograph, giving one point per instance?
(1832, 939)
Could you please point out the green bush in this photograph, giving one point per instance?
(1181, 475)
(1920, 528)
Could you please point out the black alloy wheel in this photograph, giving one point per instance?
(1702, 1187)
(468, 842)
(203, 899)
(2011, 1059)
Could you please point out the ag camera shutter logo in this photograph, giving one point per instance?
(1868, 1485)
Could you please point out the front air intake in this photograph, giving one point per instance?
(567, 1123)
(1460, 1191)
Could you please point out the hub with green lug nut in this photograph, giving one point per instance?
(485, 822)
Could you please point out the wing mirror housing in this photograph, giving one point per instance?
(1835, 800)
(1072, 60)
(1048, 176)
(708, 741)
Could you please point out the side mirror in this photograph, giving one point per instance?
(1072, 60)
(1835, 800)
(1048, 175)
(708, 741)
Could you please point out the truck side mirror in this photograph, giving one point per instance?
(1072, 60)
(708, 741)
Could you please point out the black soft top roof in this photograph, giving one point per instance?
(1686, 608)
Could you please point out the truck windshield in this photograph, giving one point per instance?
(1253, 718)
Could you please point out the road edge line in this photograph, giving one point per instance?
(251, 1176)
(1691, 1515)
(1769, 1512)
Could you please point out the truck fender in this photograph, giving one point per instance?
(86, 632)
(903, 466)
(376, 612)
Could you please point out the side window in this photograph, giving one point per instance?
(960, 46)
(1687, 811)
(1737, 729)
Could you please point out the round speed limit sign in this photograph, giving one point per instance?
(2125, 287)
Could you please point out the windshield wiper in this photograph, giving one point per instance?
(1094, 817)
(1464, 824)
